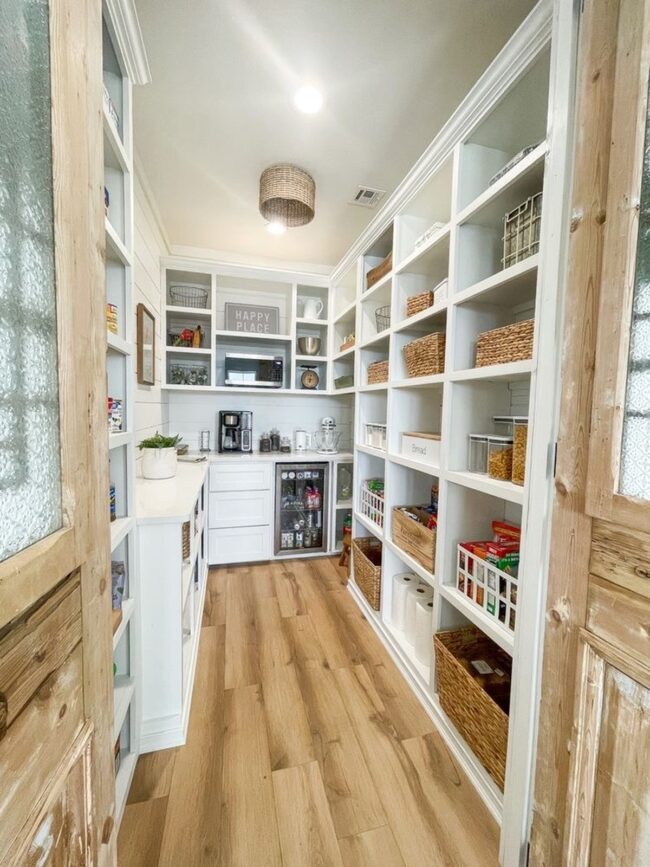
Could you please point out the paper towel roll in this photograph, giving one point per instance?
(401, 584)
(419, 591)
(423, 630)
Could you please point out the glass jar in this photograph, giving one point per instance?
(478, 453)
(275, 440)
(265, 443)
(500, 458)
(520, 441)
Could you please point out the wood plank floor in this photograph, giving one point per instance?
(305, 745)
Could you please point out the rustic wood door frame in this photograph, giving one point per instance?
(611, 36)
(82, 544)
(630, 100)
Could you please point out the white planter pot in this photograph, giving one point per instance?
(159, 463)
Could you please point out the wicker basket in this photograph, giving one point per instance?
(414, 537)
(476, 715)
(189, 295)
(375, 274)
(366, 559)
(426, 355)
(418, 303)
(377, 372)
(502, 345)
(347, 344)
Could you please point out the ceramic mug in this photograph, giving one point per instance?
(312, 308)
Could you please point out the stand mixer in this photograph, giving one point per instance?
(327, 439)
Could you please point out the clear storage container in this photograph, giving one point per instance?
(520, 438)
(500, 457)
(478, 453)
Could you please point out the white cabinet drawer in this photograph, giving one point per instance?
(239, 544)
(241, 476)
(240, 508)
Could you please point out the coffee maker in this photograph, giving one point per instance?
(235, 433)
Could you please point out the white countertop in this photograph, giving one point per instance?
(172, 500)
(308, 456)
(169, 500)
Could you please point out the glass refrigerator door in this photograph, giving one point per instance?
(301, 519)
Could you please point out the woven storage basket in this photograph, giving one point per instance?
(479, 719)
(377, 372)
(426, 355)
(375, 274)
(502, 345)
(366, 558)
(418, 303)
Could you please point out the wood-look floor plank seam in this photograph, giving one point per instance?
(306, 746)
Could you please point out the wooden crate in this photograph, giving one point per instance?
(413, 537)
(375, 274)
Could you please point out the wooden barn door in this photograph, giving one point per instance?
(592, 797)
(56, 706)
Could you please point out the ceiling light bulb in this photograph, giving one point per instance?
(308, 99)
(276, 228)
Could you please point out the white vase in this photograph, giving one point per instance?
(159, 463)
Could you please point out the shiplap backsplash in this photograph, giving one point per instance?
(150, 403)
(189, 413)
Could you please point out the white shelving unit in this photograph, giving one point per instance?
(173, 556)
(124, 64)
(213, 286)
(523, 99)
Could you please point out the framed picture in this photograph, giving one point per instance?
(146, 346)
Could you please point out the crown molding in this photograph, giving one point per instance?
(255, 267)
(514, 59)
(128, 38)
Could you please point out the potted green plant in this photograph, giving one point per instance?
(159, 456)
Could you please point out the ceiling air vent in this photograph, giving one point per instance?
(367, 197)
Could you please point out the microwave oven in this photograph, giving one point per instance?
(254, 371)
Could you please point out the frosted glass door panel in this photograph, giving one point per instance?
(635, 455)
(30, 473)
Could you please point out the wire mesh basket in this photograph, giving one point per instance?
(521, 231)
(382, 317)
(371, 504)
(189, 295)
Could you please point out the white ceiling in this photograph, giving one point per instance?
(219, 108)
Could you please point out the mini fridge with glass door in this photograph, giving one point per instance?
(301, 506)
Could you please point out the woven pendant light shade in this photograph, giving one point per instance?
(287, 195)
